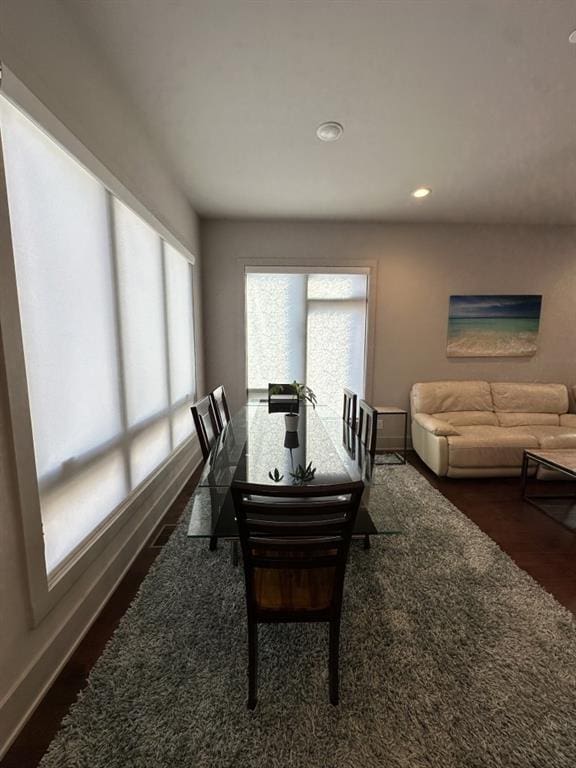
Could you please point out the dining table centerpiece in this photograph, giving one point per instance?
(301, 393)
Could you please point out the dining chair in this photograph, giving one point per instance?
(220, 406)
(282, 398)
(295, 542)
(367, 426)
(350, 404)
(206, 424)
(357, 450)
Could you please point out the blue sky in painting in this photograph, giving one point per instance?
(495, 306)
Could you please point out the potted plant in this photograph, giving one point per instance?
(302, 394)
(303, 475)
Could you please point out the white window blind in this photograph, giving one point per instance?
(107, 331)
(307, 327)
(139, 255)
(275, 328)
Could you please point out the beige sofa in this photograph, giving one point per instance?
(480, 429)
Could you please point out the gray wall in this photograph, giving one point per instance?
(417, 268)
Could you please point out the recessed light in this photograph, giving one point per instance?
(421, 192)
(330, 131)
(572, 38)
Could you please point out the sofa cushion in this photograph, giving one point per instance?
(529, 398)
(483, 431)
(467, 418)
(540, 431)
(442, 396)
(552, 442)
(523, 419)
(566, 420)
(436, 426)
(491, 450)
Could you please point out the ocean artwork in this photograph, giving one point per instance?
(493, 326)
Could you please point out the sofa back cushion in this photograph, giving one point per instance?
(449, 396)
(529, 398)
(528, 419)
(469, 418)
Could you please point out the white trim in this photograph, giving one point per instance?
(17, 386)
(306, 270)
(158, 509)
(22, 98)
(46, 590)
(322, 265)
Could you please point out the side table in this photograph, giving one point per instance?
(391, 410)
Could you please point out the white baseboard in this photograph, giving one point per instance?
(19, 704)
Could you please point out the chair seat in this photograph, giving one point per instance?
(298, 590)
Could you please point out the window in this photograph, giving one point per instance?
(307, 327)
(107, 333)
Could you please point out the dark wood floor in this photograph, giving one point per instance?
(540, 546)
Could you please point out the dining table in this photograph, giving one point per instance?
(255, 447)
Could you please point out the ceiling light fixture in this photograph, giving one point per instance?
(421, 192)
(572, 38)
(330, 131)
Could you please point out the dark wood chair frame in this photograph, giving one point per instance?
(367, 429)
(219, 404)
(202, 412)
(274, 524)
(368, 426)
(350, 407)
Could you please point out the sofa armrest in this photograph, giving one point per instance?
(436, 426)
(432, 449)
(568, 420)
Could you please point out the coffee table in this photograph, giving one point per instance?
(559, 506)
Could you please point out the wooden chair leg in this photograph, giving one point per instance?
(333, 661)
(213, 543)
(234, 552)
(252, 663)
(366, 541)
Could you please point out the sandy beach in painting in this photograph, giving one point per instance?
(480, 340)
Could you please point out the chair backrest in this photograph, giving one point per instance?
(292, 535)
(350, 404)
(358, 452)
(367, 426)
(206, 424)
(282, 398)
(349, 439)
(220, 406)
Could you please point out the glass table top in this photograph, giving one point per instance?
(255, 443)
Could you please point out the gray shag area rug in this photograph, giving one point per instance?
(451, 657)
(387, 459)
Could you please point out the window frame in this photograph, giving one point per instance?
(44, 590)
(320, 265)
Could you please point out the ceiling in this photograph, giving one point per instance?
(474, 98)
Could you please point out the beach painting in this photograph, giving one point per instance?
(493, 326)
